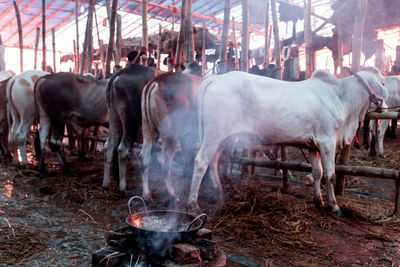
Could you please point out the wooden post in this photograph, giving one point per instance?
(340, 48)
(245, 36)
(44, 34)
(145, 37)
(85, 46)
(111, 40)
(267, 37)
(379, 54)
(53, 36)
(235, 44)
(224, 37)
(90, 37)
(77, 54)
(277, 48)
(358, 31)
(159, 47)
(21, 44)
(36, 47)
(173, 16)
(181, 37)
(118, 42)
(203, 51)
(307, 37)
(189, 42)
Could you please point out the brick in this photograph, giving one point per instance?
(185, 254)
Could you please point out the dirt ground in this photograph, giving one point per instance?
(62, 220)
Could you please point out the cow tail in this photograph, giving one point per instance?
(36, 98)
(201, 93)
(10, 84)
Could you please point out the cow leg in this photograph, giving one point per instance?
(110, 150)
(365, 134)
(381, 135)
(315, 161)
(83, 145)
(71, 138)
(22, 136)
(168, 150)
(93, 143)
(145, 155)
(214, 174)
(327, 153)
(124, 150)
(372, 138)
(44, 131)
(201, 162)
(12, 142)
(188, 147)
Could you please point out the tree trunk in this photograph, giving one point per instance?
(245, 36)
(111, 40)
(21, 42)
(77, 54)
(224, 38)
(44, 34)
(145, 37)
(358, 31)
(181, 37)
(267, 37)
(36, 47)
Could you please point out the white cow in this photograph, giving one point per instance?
(321, 113)
(392, 83)
(21, 111)
(4, 78)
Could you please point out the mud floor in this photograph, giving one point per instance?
(61, 220)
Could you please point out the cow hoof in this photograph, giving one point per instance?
(318, 204)
(194, 207)
(382, 156)
(338, 213)
(357, 145)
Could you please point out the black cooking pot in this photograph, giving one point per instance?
(158, 230)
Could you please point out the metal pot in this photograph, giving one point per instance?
(158, 230)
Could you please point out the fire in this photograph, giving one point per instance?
(136, 222)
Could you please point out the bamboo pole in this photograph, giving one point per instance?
(307, 37)
(111, 40)
(235, 44)
(77, 54)
(118, 40)
(224, 37)
(44, 35)
(100, 42)
(90, 38)
(181, 37)
(36, 47)
(277, 47)
(159, 47)
(21, 42)
(267, 36)
(203, 51)
(145, 36)
(245, 36)
(53, 37)
(189, 41)
(84, 48)
(358, 31)
(173, 16)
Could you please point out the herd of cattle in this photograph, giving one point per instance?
(195, 114)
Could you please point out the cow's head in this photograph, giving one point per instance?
(375, 82)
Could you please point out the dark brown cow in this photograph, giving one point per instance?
(63, 98)
(124, 93)
(169, 114)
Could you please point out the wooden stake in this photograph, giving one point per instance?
(235, 44)
(44, 34)
(111, 40)
(358, 31)
(245, 36)
(224, 37)
(53, 36)
(36, 47)
(145, 37)
(77, 54)
(267, 36)
(21, 42)
(277, 48)
(181, 37)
